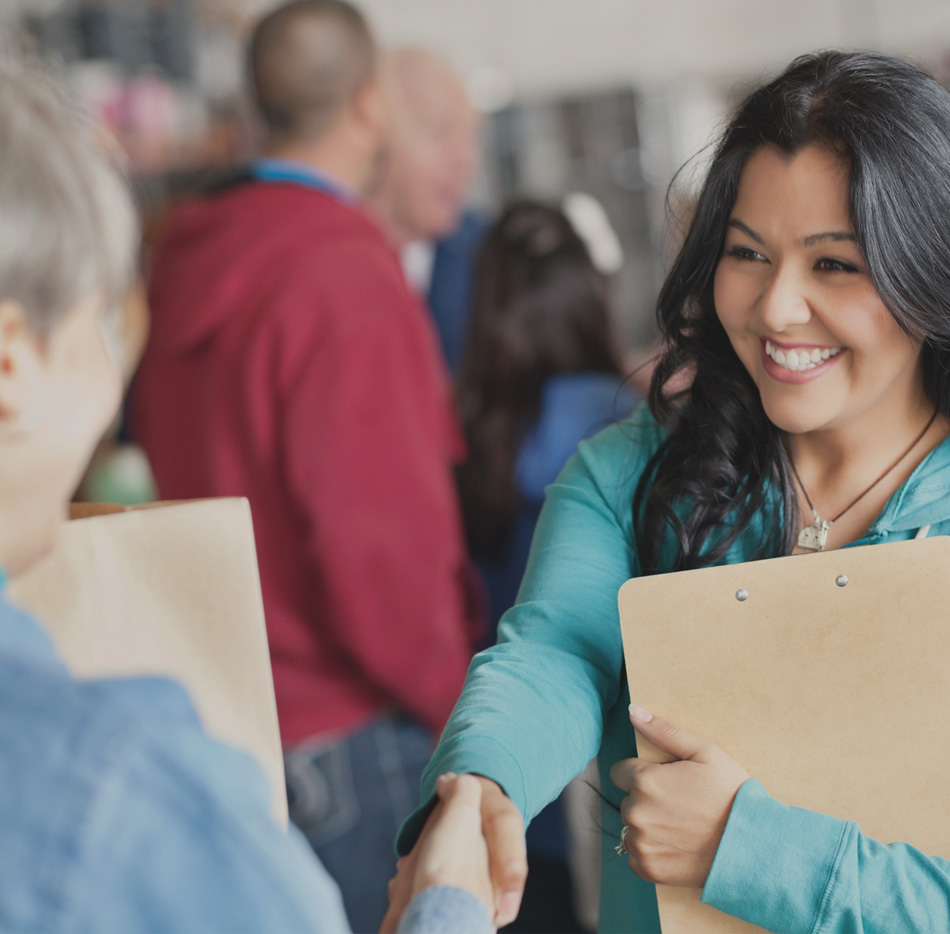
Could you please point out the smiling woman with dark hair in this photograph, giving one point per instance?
(809, 306)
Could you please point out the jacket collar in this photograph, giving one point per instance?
(923, 499)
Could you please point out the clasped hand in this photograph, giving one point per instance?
(676, 811)
(479, 847)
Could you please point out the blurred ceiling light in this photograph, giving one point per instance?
(589, 219)
(489, 88)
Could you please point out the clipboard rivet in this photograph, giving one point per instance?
(742, 594)
(842, 580)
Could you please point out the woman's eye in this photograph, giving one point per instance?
(744, 253)
(826, 264)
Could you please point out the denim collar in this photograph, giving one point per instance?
(22, 634)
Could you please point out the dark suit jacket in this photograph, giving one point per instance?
(453, 281)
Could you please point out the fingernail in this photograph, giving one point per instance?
(443, 780)
(509, 905)
(640, 715)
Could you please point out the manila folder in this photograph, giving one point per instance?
(170, 591)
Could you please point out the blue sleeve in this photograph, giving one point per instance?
(799, 872)
(442, 908)
(180, 839)
(531, 712)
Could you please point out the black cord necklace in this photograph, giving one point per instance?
(814, 537)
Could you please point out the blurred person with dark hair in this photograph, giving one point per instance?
(289, 363)
(540, 374)
(431, 154)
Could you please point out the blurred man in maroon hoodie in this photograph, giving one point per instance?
(289, 363)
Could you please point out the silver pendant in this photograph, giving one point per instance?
(814, 537)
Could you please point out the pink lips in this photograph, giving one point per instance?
(795, 377)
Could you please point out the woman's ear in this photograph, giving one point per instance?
(20, 365)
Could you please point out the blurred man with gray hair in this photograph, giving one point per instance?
(289, 363)
(431, 156)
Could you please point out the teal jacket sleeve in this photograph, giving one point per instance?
(531, 713)
(795, 871)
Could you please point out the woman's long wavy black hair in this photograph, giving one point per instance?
(540, 308)
(890, 122)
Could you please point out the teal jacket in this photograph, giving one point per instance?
(550, 696)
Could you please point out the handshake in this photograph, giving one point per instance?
(472, 817)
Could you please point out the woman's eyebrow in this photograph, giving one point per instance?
(733, 222)
(810, 240)
(831, 235)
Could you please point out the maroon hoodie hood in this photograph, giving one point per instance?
(195, 255)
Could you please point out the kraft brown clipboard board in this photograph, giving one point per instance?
(171, 591)
(834, 697)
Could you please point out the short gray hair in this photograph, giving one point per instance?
(68, 227)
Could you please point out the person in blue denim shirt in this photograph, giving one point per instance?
(119, 813)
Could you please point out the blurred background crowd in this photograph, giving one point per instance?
(608, 98)
(530, 184)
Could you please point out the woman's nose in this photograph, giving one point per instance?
(784, 301)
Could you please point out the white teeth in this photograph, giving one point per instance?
(802, 359)
(777, 355)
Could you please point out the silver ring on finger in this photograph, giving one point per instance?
(621, 848)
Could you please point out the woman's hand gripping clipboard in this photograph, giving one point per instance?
(825, 675)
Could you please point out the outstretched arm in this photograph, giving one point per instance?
(532, 711)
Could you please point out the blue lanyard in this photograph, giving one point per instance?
(296, 173)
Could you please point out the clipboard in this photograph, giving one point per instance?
(168, 589)
(825, 675)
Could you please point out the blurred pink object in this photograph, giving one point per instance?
(151, 124)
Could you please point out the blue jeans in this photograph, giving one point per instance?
(349, 796)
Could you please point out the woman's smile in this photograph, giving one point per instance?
(797, 363)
